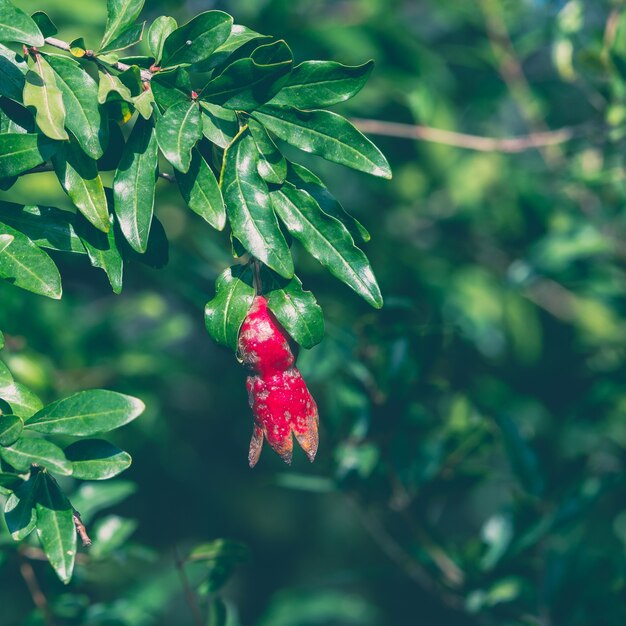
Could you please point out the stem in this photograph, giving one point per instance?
(146, 75)
(190, 596)
(258, 283)
(37, 595)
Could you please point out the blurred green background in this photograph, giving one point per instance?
(472, 463)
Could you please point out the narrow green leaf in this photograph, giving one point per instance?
(25, 265)
(178, 131)
(78, 175)
(21, 399)
(296, 309)
(10, 481)
(317, 84)
(104, 251)
(121, 15)
(327, 134)
(20, 152)
(15, 25)
(96, 459)
(20, 511)
(45, 226)
(272, 165)
(11, 427)
(12, 69)
(44, 23)
(171, 87)
(197, 39)
(134, 185)
(78, 47)
(249, 208)
(159, 31)
(86, 413)
(307, 180)
(6, 378)
(43, 94)
(248, 83)
(28, 451)
(55, 528)
(219, 125)
(326, 239)
(201, 192)
(80, 97)
(224, 314)
(111, 87)
(128, 38)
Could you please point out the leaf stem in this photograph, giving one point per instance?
(37, 595)
(190, 596)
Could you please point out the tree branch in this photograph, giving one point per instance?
(146, 75)
(462, 140)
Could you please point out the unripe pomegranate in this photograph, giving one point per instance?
(278, 395)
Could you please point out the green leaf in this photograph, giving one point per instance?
(78, 48)
(326, 239)
(249, 208)
(11, 427)
(10, 481)
(28, 451)
(224, 314)
(248, 83)
(110, 85)
(317, 84)
(44, 23)
(20, 511)
(20, 152)
(12, 69)
(21, 399)
(219, 125)
(86, 413)
(134, 185)
(55, 528)
(171, 87)
(295, 309)
(201, 192)
(15, 118)
(15, 25)
(80, 97)
(45, 226)
(5, 241)
(143, 103)
(178, 131)
(307, 180)
(104, 251)
(327, 134)
(26, 266)
(128, 38)
(6, 378)
(121, 15)
(197, 39)
(78, 175)
(272, 165)
(239, 36)
(96, 459)
(43, 94)
(159, 31)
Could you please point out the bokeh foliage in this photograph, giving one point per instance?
(471, 468)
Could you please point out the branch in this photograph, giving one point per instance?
(37, 595)
(190, 596)
(462, 140)
(81, 530)
(146, 75)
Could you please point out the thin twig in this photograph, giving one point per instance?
(81, 530)
(396, 553)
(190, 596)
(146, 75)
(37, 595)
(462, 140)
(512, 73)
